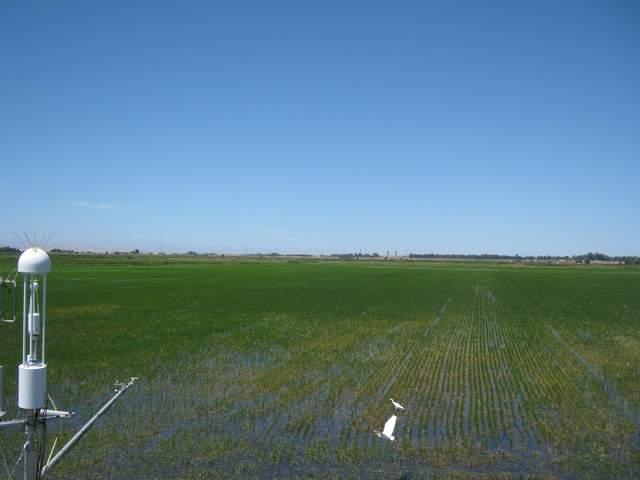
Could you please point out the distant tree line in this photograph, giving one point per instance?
(587, 258)
(590, 257)
(355, 256)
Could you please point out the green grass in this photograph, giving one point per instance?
(282, 369)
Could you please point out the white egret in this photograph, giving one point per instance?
(396, 404)
(387, 432)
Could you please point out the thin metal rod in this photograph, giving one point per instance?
(15, 287)
(44, 312)
(24, 319)
(55, 442)
(84, 429)
(32, 309)
(6, 465)
(48, 415)
(2, 412)
(12, 293)
(20, 240)
(12, 425)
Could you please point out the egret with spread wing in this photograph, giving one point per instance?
(387, 432)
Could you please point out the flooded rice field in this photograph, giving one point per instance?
(284, 370)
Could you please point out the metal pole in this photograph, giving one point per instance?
(24, 319)
(1, 391)
(30, 461)
(84, 429)
(44, 312)
(15, 287)
(32, 309)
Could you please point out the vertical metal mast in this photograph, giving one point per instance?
(33, 264)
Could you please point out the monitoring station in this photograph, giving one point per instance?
(33, 399)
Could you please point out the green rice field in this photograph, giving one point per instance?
(282, 369)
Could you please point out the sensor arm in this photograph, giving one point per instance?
(69, 445)
(47, 415)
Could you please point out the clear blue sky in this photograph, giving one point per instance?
(461, 127)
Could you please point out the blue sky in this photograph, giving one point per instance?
(459, 127)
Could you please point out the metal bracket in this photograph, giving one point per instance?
(46, 415)
(9, 284)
